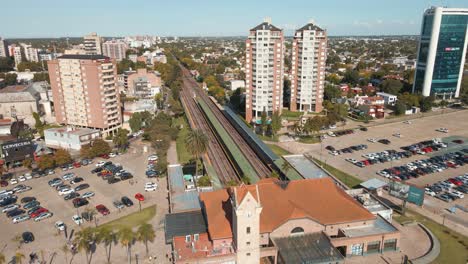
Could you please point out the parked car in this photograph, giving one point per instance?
(27, 199)
(71, 195)
(60, 225)
(81, 187)
(76, 180)
(13, 181)
(14, 213)
(27, 237)
(87, 195)
(20, 218)
(31, 204)
(126, 201)
(102, 209)
(10, 207)
(150, 187)
(118, 204)
(139, 197)
(77, 219)
(43, 216)
(78, 202)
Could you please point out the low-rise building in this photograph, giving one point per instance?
(5, 127)
(370, 105)
(302, 221)
(70, 138)
(235, 84)
(140, 84)
(389, 99)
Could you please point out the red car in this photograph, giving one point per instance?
(102, 209)
(38, 212)
(456, 182)
(3, 183)
(104, 156)
(458, 141)
(139, 197)
(77, 164)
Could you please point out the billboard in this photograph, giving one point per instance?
(406, 192)
(17, 150)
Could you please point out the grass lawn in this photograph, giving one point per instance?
(132, 220)
(288, 115)
(453, 246)
(182, 154)
(309, 139)
(278, 150)
(347, 179)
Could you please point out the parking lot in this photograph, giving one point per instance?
(419, 130)
(47, 236)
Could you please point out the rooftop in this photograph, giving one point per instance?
(373, 184)
(379, 226)
(185, 223)
(83, 57)
(310, 248)
(318, 199)
(310, 26)
(265, 26)
(72, 131)
(305, 167)
(181, 200)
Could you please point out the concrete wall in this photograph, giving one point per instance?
(307, 224)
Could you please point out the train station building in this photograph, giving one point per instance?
(301, 221)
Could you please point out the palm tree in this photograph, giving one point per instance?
(127, 238)
(197, 144)
(146, 233)
(91, 211)
(107, 236)
(2, 259)
(285, 167)
(84, 240)
(19, 257)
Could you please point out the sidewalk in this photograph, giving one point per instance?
(172, 154)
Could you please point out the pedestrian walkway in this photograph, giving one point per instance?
(172, 154)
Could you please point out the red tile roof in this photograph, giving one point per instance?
(318, 199)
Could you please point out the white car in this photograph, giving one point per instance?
(351, 160)
(21, 218)
(152, 158)
(77, 219)
(407, 122)
(13, 181)
(10, 207)
(398, 135)
(28, 176)
(150, 187)
(43, 216)
(443, 130)
(112, 155)
(457, 194)
(100, 163)
(373, 140)
(430, 192)
(21, 178)
(68, 176)
(383, 174)
(334, 153)
(87, 195)
(331, 134)
(65, 191)
(60, 225)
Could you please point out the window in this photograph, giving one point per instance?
(356, 249)
(373, 247)
(187, 238)
(297, 230)
(390, 244)
(196, 237)
(248, 230)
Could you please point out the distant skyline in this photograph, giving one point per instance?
(54, 18)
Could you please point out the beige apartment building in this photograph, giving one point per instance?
(264, 71)
(309, 54)
(115, 49)
(93, 44)
(85, 92)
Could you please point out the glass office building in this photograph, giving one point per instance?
(442, 52)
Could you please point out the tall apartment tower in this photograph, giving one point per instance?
(115, 49)
(309, 53)
(442, 52)
(30, 53)
(93, 44)
(264, 71)
(3, 48)
(16, 51)
(84, 88)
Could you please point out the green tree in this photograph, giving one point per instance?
(351, 76)
(38, 123)
(275, 122)
(263, 122)
(46, 162)
(140, 65)
(31, 66)
(62, 157)
(27, 163)
(158, 98)
(391, 86)
(197, 144)
(145, 234)
(400, 108)
(331, 92)
(106, 236)
(41, 77)
(120, 139)
(6, 64)
(100, 147)
(125, 65)
(204, 181)
(426, 103)
(10, 78)
(127, 238)
(85, 240)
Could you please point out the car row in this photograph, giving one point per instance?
(350, 149)
(381, 157)
(450, 189)
(29, 209)
(340, 133)
(419, 168)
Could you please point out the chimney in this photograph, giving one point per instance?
(267, 20)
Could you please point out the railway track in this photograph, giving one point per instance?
(261, 169)
(216, 155)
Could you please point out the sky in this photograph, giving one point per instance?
(75, 18)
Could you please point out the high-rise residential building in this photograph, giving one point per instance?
(16, 51)
(115, 49)
(264, 70)
(3, 48)
(84, 88)
(442, 52)
(309, 53)
(30, 53)
(93, 44)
